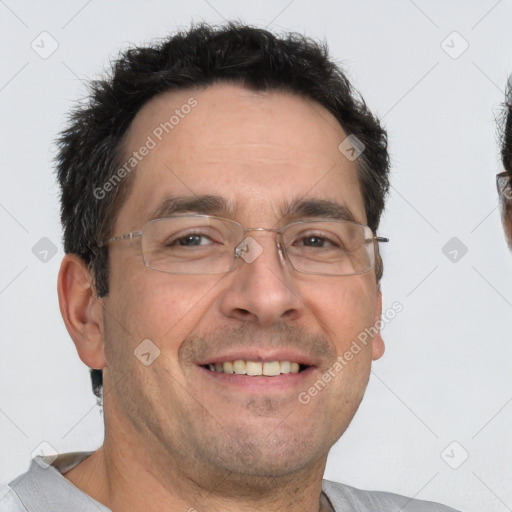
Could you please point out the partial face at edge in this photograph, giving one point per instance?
(259, 152)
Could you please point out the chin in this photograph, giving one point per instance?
(265, 453)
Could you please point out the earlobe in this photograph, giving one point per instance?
(377, 341)
(81, 310)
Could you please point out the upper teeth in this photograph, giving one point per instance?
(268, 368)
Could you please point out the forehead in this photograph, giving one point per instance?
(259, 151)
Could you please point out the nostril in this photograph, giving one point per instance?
(242, 313)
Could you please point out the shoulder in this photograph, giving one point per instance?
(344, 497)
(9, 500)
(43, 488)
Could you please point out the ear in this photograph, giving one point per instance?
(377, 341)
(81, 310)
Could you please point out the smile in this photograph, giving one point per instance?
(256, 368)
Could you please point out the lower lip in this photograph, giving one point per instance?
(260, 383)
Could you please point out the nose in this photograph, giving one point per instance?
(261, 287)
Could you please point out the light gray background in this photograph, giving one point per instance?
(446, 373)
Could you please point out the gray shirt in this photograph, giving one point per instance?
(43, 489)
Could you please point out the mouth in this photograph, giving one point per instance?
(256, 368)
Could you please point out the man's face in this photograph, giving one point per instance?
(507, 213)
(259, 153)
(505, 180)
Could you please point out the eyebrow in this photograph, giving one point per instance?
(204, 204)
(219, 206)
(315, 207)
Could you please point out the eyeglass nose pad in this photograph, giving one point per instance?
(248, 249)
(243, 249)
(281, 252)
(239, 249)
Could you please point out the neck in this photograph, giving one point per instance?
(126, 474)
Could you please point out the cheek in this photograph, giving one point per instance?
(150, 307)
(164, 308)
(344, 308)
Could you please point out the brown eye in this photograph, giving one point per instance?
(315, 241)
(192, 240)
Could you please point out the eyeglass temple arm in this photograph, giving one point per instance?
(126, 236)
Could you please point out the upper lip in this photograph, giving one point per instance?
(262, 355)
